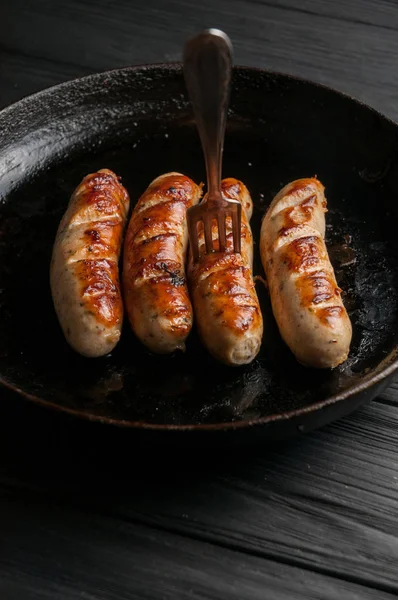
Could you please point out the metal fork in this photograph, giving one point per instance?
(207, 72)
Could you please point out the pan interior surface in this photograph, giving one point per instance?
(138, 123)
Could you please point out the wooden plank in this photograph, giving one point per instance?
(391, 394)
(61, 554)
(22, 75)
(326, 502)
(381, 14)
(349, 55)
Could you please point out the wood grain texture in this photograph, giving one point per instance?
(349, 45)
(361, 12)
(21, 75)
(74, 554)
(326, 503)
(391, 394)
(86, 513)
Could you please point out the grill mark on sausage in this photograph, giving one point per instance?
(155, 238)
(104, 199)
(229, 243)
(98, 198)
(161, 204)
(294, 194)
(88, 220)
(161, 220)
(231, 188)
(230, 290)
(329, 315)
(298, 215)
(93, 234)
(102, 240)
(175, 189)
(171, 271)
(317, 287)
(303, 253)
(100, 290)
(299, 185)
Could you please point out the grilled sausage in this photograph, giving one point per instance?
(305, 297)
(154, 285)
(224, 297)
(84, 276)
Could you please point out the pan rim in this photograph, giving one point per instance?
(178, 67)
(228, 425)
(350, 392)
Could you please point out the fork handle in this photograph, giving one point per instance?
(207, 72)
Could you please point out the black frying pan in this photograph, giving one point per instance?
(138, 122)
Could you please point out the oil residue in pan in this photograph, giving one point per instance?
(366, 271)
(34, 355)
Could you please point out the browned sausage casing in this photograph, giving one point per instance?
(154, 285)
(305, 297)
(227, 310)
(84, 275)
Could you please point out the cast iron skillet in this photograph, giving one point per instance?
(138, 122)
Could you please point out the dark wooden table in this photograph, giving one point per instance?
(83, 512)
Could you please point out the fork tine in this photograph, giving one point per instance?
(236, 226)
(221, 231)
(193, 236)
(207, 225)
